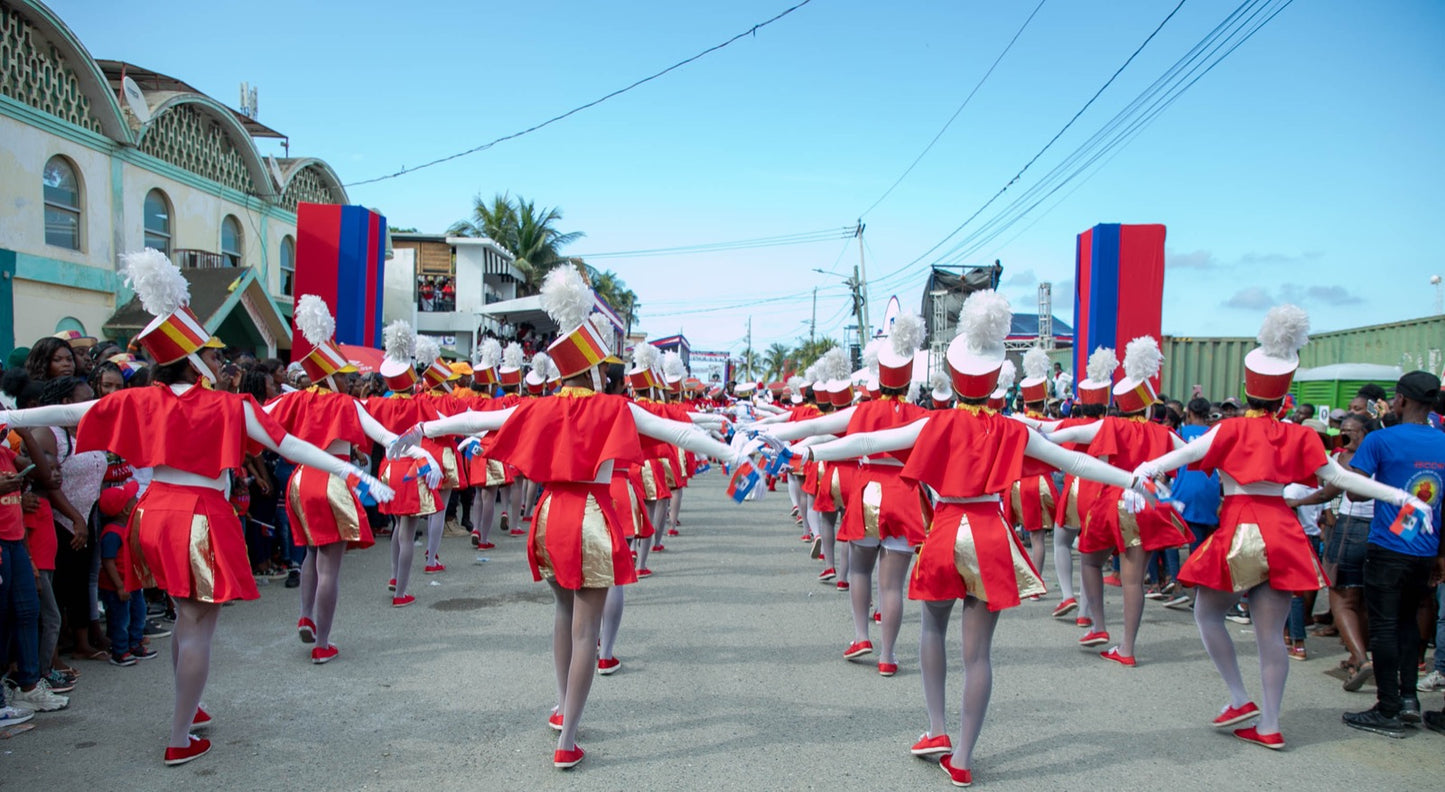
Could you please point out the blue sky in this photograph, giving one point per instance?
(1304, 167)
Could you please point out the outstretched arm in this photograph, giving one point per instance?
(467, 423)
(53, 415)
(678, 433)
(1183, 454)
(864, 443)
(1076, 464)
(303, 453)
(1082, 433)
(832, 423)
(1348, 480)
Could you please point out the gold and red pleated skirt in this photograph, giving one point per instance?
(626, 489)
(1259, 540)
(1110, 526)
(1032, 503)
(577, 538)
(322, 510)
(451, 466)
(413, 497)
(882, 505)
(971, 551)
(192, 544)
(654, 480)
(484, 472)
(835, 480)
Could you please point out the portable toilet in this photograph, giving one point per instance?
(1328, 387)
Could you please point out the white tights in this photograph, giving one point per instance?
(1131, 573)
(484, 506)
(1064, 537)
(435, 523)
(795, 490)
(191, 662)
(978, 626)
(402, 551)
(320, 585)
(892, 573)
(827, 523)
(1269, 610)
(611, 620)
(576, 623)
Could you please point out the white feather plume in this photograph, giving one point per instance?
(314, 320)
(939, 381)
(811, 373)
(1036, 363)
(913, 391)
(1142, 358)
(644, 356)
(672, 366)
(1102, 364)
(566, 297)
(833, 365)
(1006, 375)
(512, 356)
(540, 363)
(985, 321)
(907, 335)
(796, 384)
(399, 341)
(490, 353)
(156, 281)
(870, 357)
(427, 350)
(1285, 330)
(602, 325)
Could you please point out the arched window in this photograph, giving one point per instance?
(231, 241)
(157, 213)
(288, 266)
(62, 204)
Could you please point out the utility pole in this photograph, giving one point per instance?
(748, 356)
(813, 325)
(862, 278)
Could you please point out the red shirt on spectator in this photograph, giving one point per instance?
(12, 519)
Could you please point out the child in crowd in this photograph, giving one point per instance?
(120, 586)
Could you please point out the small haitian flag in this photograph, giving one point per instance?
(744, 479)
(779, 461)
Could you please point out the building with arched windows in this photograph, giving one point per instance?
(83, 179)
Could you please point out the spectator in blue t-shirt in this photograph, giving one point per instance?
(1195, 493)
(1401, 559)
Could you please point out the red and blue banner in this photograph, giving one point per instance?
(341, 258)
(1119, 288)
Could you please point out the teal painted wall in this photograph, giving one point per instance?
(7, 300)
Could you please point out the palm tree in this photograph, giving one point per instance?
(748, 364)
(614, 290)
(777, 360)
(808, 352)
(518, 225)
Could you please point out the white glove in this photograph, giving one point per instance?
(405, 442)
(745, 452)
(369, 484)
(471, 447)
(1426, 515)
(433, 471)
(1147, 470)
(1134, 502)
(801, 453)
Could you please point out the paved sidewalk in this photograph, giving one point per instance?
(732, 678)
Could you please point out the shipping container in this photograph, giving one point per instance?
(1215, 365)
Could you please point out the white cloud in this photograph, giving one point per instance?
(1250, 299)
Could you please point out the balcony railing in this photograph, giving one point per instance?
(200, 259)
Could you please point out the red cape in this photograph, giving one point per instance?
(963, 455)
(567, 438)
(1264, 449)
(871, 416)
(319, 417)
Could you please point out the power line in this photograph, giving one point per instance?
(802, 238)
(1046, 147)
(752, 31)
(956, 113)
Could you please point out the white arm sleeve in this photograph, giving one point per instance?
(296, 449)
(678, 433)
(1073, 463)
(54, 415)
(868, 443)
(1082, 433)
(710, 419)
(1333, 473)
(467, 423)
(372, 427)
(770, 408)
(832, 423)
(1186, 454)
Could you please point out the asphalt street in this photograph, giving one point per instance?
(732, 678)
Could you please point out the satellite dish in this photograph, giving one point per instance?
(135, 100)
(275, 168)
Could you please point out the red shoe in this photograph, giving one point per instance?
(932, 746)
(608, 666)
(554, 721)
(842, 585)
(307, 629)
(887, 669)
(1113, 654)
(565, 759)
(486, 546)
(877, 617)
(432, 569)
(1083, 622)
(179, 756)
(858, 649)
(1112, 580)
(1233, 715)
(806, 537)
(1093, 638)
(517, 532)
(657, 548)
(201, 720)
(672, 532)
(1066, 607)
(1274, 742)
(959, 776)
(827, 575)
(391, 585)
(321, 656)
(402, 602)
(476, 539)
(644, 572)
(1035, 598)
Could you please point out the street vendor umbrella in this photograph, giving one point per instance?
(366, 359)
